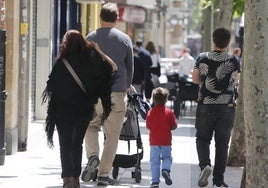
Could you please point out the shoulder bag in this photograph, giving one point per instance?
(71, 70)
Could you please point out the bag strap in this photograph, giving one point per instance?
(71, 70)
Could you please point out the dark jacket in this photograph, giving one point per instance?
(66, 100)
(138, 75)
(146, 59)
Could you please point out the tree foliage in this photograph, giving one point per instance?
(239, 8)
(197, 18)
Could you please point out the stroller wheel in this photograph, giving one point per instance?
(138, 174)
(115, 172)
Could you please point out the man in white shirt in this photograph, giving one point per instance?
(186, 63)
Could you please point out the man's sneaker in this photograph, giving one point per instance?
(222, 185)
(104, 181)
(203, 178)
(166, 176)
(90, 170)
(154, 185)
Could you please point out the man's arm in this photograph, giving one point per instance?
(129, 64)
(196, 76)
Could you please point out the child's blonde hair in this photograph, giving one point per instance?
(160, 96)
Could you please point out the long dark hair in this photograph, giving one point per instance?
(73, 42)
(151, 47)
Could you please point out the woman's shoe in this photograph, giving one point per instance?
(74, 182)
(66, 182)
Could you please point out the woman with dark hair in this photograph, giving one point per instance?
(154, 69)
(70, 108)
(156, 59)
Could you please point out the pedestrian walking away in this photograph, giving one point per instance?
(146, 59)
(217, 73)
(156, 59)
(138, 76)
(118, 46)
(160, 121)
(81, 74)
(154, 70)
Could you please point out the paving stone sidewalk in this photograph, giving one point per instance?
(39, 166)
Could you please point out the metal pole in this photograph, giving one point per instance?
(3, 94)
(23, 79)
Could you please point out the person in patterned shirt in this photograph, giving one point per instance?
(217, 73)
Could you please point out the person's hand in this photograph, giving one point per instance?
(97, 48)
(129, 90)
(236, 52)
(95, 45)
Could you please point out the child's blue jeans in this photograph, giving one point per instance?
(158, 154)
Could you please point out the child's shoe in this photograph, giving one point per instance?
(166, 176)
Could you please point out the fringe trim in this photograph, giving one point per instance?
(50, 120)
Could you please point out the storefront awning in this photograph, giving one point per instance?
(148, 4)
(132, 14)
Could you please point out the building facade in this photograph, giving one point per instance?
(34, 31)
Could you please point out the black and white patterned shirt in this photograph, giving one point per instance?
(218, 70)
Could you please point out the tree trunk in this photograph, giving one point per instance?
(223, 13)
(237, 152)
(207, 29)
(256, 92)
(219, 14)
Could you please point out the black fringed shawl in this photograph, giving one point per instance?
(65, 98)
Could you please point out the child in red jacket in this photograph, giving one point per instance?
(160, 121)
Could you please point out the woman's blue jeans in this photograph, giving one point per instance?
(157, 154)
(217, 119)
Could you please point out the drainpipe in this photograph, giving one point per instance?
(23, 119)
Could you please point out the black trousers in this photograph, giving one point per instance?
(71, 135)
(217, 119)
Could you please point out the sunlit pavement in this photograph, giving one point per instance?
(39, 166)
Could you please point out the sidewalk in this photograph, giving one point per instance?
(39, 166)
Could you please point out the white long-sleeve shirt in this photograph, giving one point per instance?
(155, 59)
(186, 65)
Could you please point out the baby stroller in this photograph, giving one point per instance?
(131, 131)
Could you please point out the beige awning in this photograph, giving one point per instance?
(149, 4)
